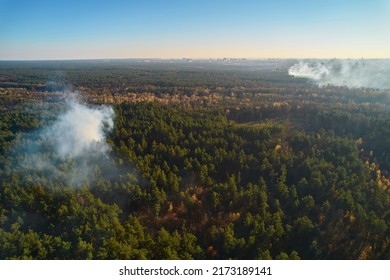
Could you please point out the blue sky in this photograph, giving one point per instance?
(43, 29)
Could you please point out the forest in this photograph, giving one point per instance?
(222, 159)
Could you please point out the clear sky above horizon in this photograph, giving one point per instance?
(81, 29)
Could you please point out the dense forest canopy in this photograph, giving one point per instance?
(222, 159)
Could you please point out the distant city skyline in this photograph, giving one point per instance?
(86, 29)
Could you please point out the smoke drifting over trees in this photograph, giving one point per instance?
(69, 148)
(80, 129)
(350, 73)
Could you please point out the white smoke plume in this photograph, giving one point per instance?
(361, 73)
(80, 129)
(72, 150)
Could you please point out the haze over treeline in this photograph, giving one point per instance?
(352, 73)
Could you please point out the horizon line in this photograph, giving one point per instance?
(194, 59)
